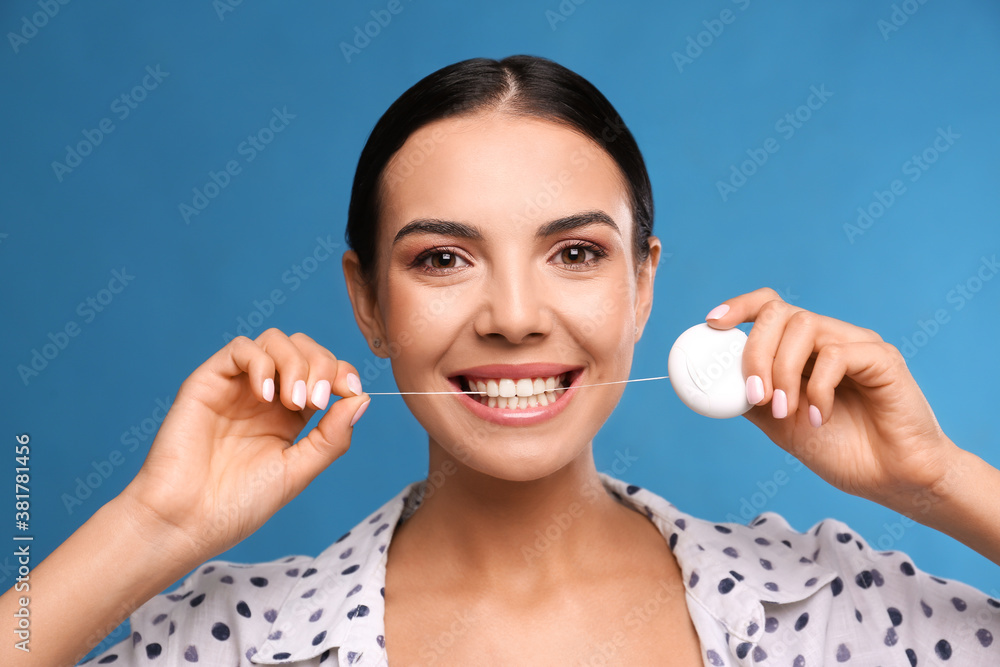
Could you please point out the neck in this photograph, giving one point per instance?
(545, 531)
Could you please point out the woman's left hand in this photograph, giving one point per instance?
(842, 401)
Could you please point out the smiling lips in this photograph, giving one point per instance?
(513, 394)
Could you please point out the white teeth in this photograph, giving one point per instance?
(519, 393)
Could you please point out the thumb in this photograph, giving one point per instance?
(326, 443)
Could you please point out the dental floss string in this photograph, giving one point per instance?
(482, 393)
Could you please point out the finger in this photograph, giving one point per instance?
(870, 364)
(291, 365)
(327, 375)
(242, 355)
(798, 343)
(323, 445)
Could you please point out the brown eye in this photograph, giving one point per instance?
(574, 255)
(442, 260)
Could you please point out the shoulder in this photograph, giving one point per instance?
(221, 612)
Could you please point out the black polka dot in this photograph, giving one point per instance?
(294, 572)
(864, 579)
(802, 621)
(928, 612)
(912, 657)
(282, 656)
(226, 579)
(344, 536)
(270, 615)
(308, 573)
(959, 604)
(877, 577)
(857, 614)
(191, 654)
(891, 637)
(731, 552)
(243, 609)
(113, 657)
(837, 586)
(726, 585)
(752, 629)
(197, 600)
(984, 636)
(693, 581)
(259, 582)
(843, 653)
(172, 628)
(799, 661)
(359, 611)
(220, 631)
(742, 650)
(811, 581)
(737, 575)
(907, 568)
(766, 564)
(895, 616)
(993, 603)
(759, 655)
(940, 581)
(770, 624)
(631, 489)
(153, 650)
(326, 653)
(714, 658)
(844, 538)
(673, 541)
(723, 529)
(319, 638)
(315, 616)
(771, 586)
(763, 541)
(943, 649)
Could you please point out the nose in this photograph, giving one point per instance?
(514, 307)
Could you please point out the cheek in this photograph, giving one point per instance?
(421, 319)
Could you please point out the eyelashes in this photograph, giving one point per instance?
(452, 254)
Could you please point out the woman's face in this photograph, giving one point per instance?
(505, 256)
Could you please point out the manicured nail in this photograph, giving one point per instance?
(755, 389)
(717, 312)
(815, 417)
(299, 393)
(779, 404)
(268, 389)
(354, 384)
(361, 411)
(321, 394)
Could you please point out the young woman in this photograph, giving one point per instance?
(500, 210)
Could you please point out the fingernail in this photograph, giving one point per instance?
(361, 411)
(354, 384)
(755, 389)
(321, 394)
(268, 390)
(779, 404)
(299, 393)
(815, 417)
(717, 312)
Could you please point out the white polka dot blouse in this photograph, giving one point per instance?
(761, 594)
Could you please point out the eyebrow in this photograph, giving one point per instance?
(462, 230)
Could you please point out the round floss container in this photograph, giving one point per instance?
(706, 370)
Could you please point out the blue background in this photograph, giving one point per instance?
(228, 67)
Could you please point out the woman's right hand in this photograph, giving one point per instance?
(223, 461)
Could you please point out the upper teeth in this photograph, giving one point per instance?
(507, 387)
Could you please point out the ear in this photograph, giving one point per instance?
(364, 302)
(644, 286)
